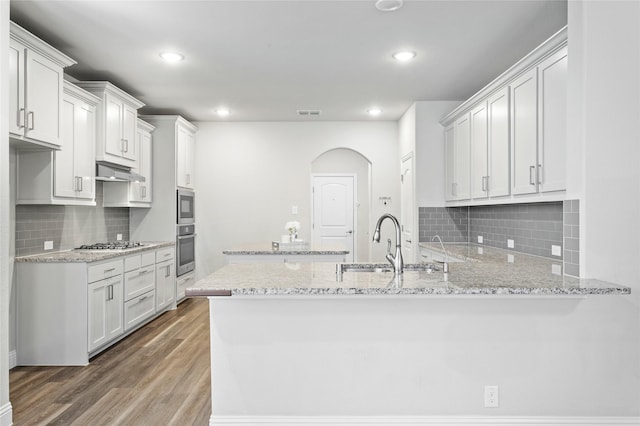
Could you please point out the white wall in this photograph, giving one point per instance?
(6, 236)
(249, 174)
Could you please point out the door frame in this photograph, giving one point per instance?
(355, 207)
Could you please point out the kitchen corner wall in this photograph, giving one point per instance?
(68, 226)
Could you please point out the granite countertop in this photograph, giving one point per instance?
(87, 256)
(284, 249)
(491, 272)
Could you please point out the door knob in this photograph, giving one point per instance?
(350, 231)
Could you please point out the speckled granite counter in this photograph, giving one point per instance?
(488, 272)
(293, 249)
(87, 256)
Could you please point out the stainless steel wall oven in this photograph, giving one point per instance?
(185, 249)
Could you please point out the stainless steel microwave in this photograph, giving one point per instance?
(185, 207)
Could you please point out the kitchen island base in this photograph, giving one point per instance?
(394, 360)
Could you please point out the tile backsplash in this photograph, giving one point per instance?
(533, 227)
(68, 226)
(571, 214)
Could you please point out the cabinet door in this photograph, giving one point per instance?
(181, 157)
(43, 98)
(65, 181)
(16, 88)
(552, 121)
(165, 284)
(524, 119)
(114, 114)
(462, 156)
(105, 311)
(190, 159)
(450, 162)
(479, 154)
(498, 144)
(84, 150)
(129, 130)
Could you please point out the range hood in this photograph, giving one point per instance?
(110, 173)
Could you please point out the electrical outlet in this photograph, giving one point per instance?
(480, 239)
(491, 397)
(48, 245)
(480, 250)
(510, 244)
(119, 237)
(294, 209)
(556, 250)
(510, 258)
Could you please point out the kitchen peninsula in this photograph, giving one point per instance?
(284, 252)
(292, 344)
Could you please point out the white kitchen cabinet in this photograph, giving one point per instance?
(135, 193)
(102, 302)
(524, 136)
(490, 147)
(479, 152)
(458, 159)
(117, 117)
(35, 89)
(105, 318)
(65, 176)
(517, 132)
(185, 155)
(182, 283)
(140, 192)
(165, 278)
(552, 121)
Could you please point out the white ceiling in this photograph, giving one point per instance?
(265, 59)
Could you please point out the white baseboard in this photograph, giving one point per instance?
(419, 421)
(13, 359)
(6, 415)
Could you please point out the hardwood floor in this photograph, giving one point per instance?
(159, 375)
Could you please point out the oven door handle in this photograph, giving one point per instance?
(182, 237)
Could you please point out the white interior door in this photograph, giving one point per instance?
(333, 212)
(407, 216)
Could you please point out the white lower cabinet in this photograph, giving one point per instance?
(105, 311)
(67, 312)
(182, 282)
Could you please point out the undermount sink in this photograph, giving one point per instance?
(384, 267)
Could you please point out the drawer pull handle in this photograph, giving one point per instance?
(109, 270)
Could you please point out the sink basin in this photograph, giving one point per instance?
(384, 267)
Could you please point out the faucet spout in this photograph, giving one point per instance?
(395, 260)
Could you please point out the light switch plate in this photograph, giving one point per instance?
(119, 237)
(294, 209)
(480, 239)
(510, 244)
(556, 250)
(48, 245)
(510, 258)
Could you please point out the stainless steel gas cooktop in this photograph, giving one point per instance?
(111, 245)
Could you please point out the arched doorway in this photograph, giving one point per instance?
(347, 162)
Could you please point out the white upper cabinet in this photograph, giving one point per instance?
(515, 131)
(141, 191)
(117, 124)
(35, 89)
(185, 155)
(65, 176)
(552, 121)
(524, 128)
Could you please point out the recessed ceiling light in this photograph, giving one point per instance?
(172, 57)
(222, 112)
(403, 56)
(374, 111)
(389, 5)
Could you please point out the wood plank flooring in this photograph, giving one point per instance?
(159, 375)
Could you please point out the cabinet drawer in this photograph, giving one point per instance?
(183, 282)
(148, 258)
(139, 282)
(138, 309)
(164, 254)
(132, 262)
(104, 270)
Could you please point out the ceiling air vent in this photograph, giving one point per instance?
(309, 112)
